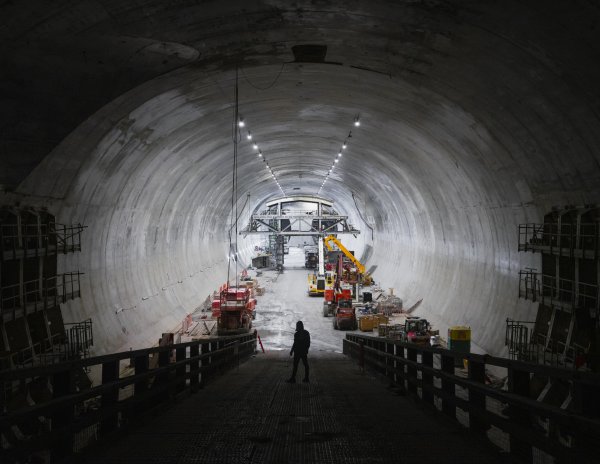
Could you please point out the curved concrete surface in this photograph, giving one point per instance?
(476, 116)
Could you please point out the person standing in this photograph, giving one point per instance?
(300, 351)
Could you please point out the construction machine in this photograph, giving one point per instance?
(418, 330)
(311, 259)
(316, 286)
(336, 291)
(344, 317)
(359, 275)
(316, 281)
(234, 309)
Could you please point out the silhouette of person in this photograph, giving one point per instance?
(300, 351)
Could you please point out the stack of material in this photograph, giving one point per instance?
(366, 323)
(393, 331)
(380, 319)
(383, 330)
(390, 305)
(250, 284)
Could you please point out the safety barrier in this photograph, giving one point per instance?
(69, 416)
(507, 416)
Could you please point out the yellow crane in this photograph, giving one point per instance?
(359, 266)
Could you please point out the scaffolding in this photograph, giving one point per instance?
(566, 288)
(31, 291)
(18, 240)
(579, 240)
(284, 217)
(526, 344)
(24, 298)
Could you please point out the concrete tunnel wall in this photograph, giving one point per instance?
(491, 123)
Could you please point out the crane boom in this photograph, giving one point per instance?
(359, 266)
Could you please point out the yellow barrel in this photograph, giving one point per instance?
(459, 333)
(459, 339)
(366, 323)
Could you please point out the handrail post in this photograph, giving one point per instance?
(361, 354)
(110, 373)
(62, 446)
(204, 364)
(518, 383)
(194, 368)
(411, 372)
(476, 373)
(180, 371)
(448, 404)
(390, 363)
(427, 391)
(400, 367)
(163, 361)
(141, 366)
(586, 403)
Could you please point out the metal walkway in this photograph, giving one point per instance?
(251, 415)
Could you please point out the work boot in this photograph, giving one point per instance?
(306, 381)
(290, 381)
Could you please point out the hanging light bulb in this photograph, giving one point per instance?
(356, 121)
(339, 154)
(344, 146)
(336, 160)
(255, 146)
(259, 154)
(249, 136)
(241, 122)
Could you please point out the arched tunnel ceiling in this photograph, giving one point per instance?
(476, 116)
(64, 62)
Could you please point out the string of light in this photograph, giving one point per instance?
(250, 138)
(340, 153)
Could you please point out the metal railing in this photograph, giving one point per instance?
(566, 240)
(39, 294)
(68, 238)
(123, 398)
(529, 284)
(80, 338)
(518, 339)
(550, 291)
(72, 343)
(30, 240)
(38, 353)
(430, 375)
(525, 344)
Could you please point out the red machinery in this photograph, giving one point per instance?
(233, 309)
(344, 316)
(336, 289)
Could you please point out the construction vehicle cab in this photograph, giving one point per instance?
(333, 298)
(316, 285)
(311, 260)
(344, 317)
(355, 275)
(418, 330)
(234, 310)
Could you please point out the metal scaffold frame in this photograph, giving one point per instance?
(277, 219)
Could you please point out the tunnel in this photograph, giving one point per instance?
(439, 128)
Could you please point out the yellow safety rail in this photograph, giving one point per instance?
(344, 250)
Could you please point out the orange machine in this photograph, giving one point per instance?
(344, 316)
(234, 310)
